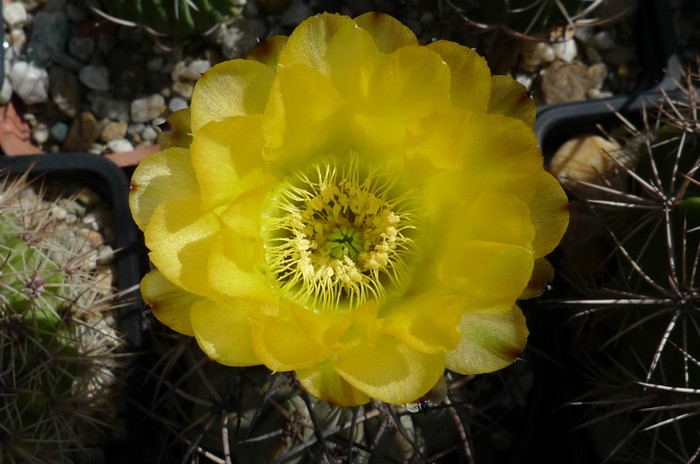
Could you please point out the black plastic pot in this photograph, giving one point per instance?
(110, 182)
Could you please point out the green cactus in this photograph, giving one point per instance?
(174, 18)
(57, 338)
(638, 338)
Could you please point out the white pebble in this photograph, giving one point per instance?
(565, 51)
(30, 82)
(177, 103)
(14, 14)
(6, 91)
(120, 145)
(195, 69)
(145, 109)
(18, 39)
(149, 134)
(41, 133)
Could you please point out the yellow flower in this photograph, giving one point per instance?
(354, 207)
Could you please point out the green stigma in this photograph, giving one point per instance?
(344, 241)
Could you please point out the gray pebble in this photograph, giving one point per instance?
(65, 90)
(296, 13)
(75, 13)
(95, 77)
(135, 128)
(109, 108)
(81, 47)
(155, 63)
(59, 131)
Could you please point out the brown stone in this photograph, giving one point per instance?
(83, 133)
(566, 82)
(113, 131)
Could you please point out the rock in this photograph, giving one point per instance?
(49, 36)
(149, 134)
(565, 82)
(59, 131)
(298, 11)
(14, 14)
(83, 133)
(113, 131)
(536, 53)
(237, 39)
(155, 64)
(135, 128)
(602, 41)
(6, 91)
(109, 108)
(565, 50)
(30, 82)
(145, 109)
(177, 103)
(65, 90)
(40, 133)
(592, 55)
(184, 89)
(584, 158)
(598, 72)
(81, 47)
(120, 146)
(75, 13)
(95, 77)
(18, 40)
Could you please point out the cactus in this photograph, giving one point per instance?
(175, 18)
(57, 335)
(214, 413)
(637, 336)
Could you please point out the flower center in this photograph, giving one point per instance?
(335, 238)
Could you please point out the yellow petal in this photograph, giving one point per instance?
(549, 211)
(470, 75)
(158, 178)
(227, 159)
(511, 98)
(180, 237)
(177, 131)
(232, 269)
(436, 139)
(489, 342)
(299, 115)
(268, 52)
(411, 82)
(243, 215)
(168, 302)
(352, 58)
(223, 332)
(308, 43)
(324, 329)
(390, 371)
(542, 275)
(500, 154)
(231, 88)
(388, 33)
(325, 384)
(489, 273)
(413, 320)
(501, 218)
(282, 345)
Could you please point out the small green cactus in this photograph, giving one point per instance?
(57, 335)
(174, 18)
